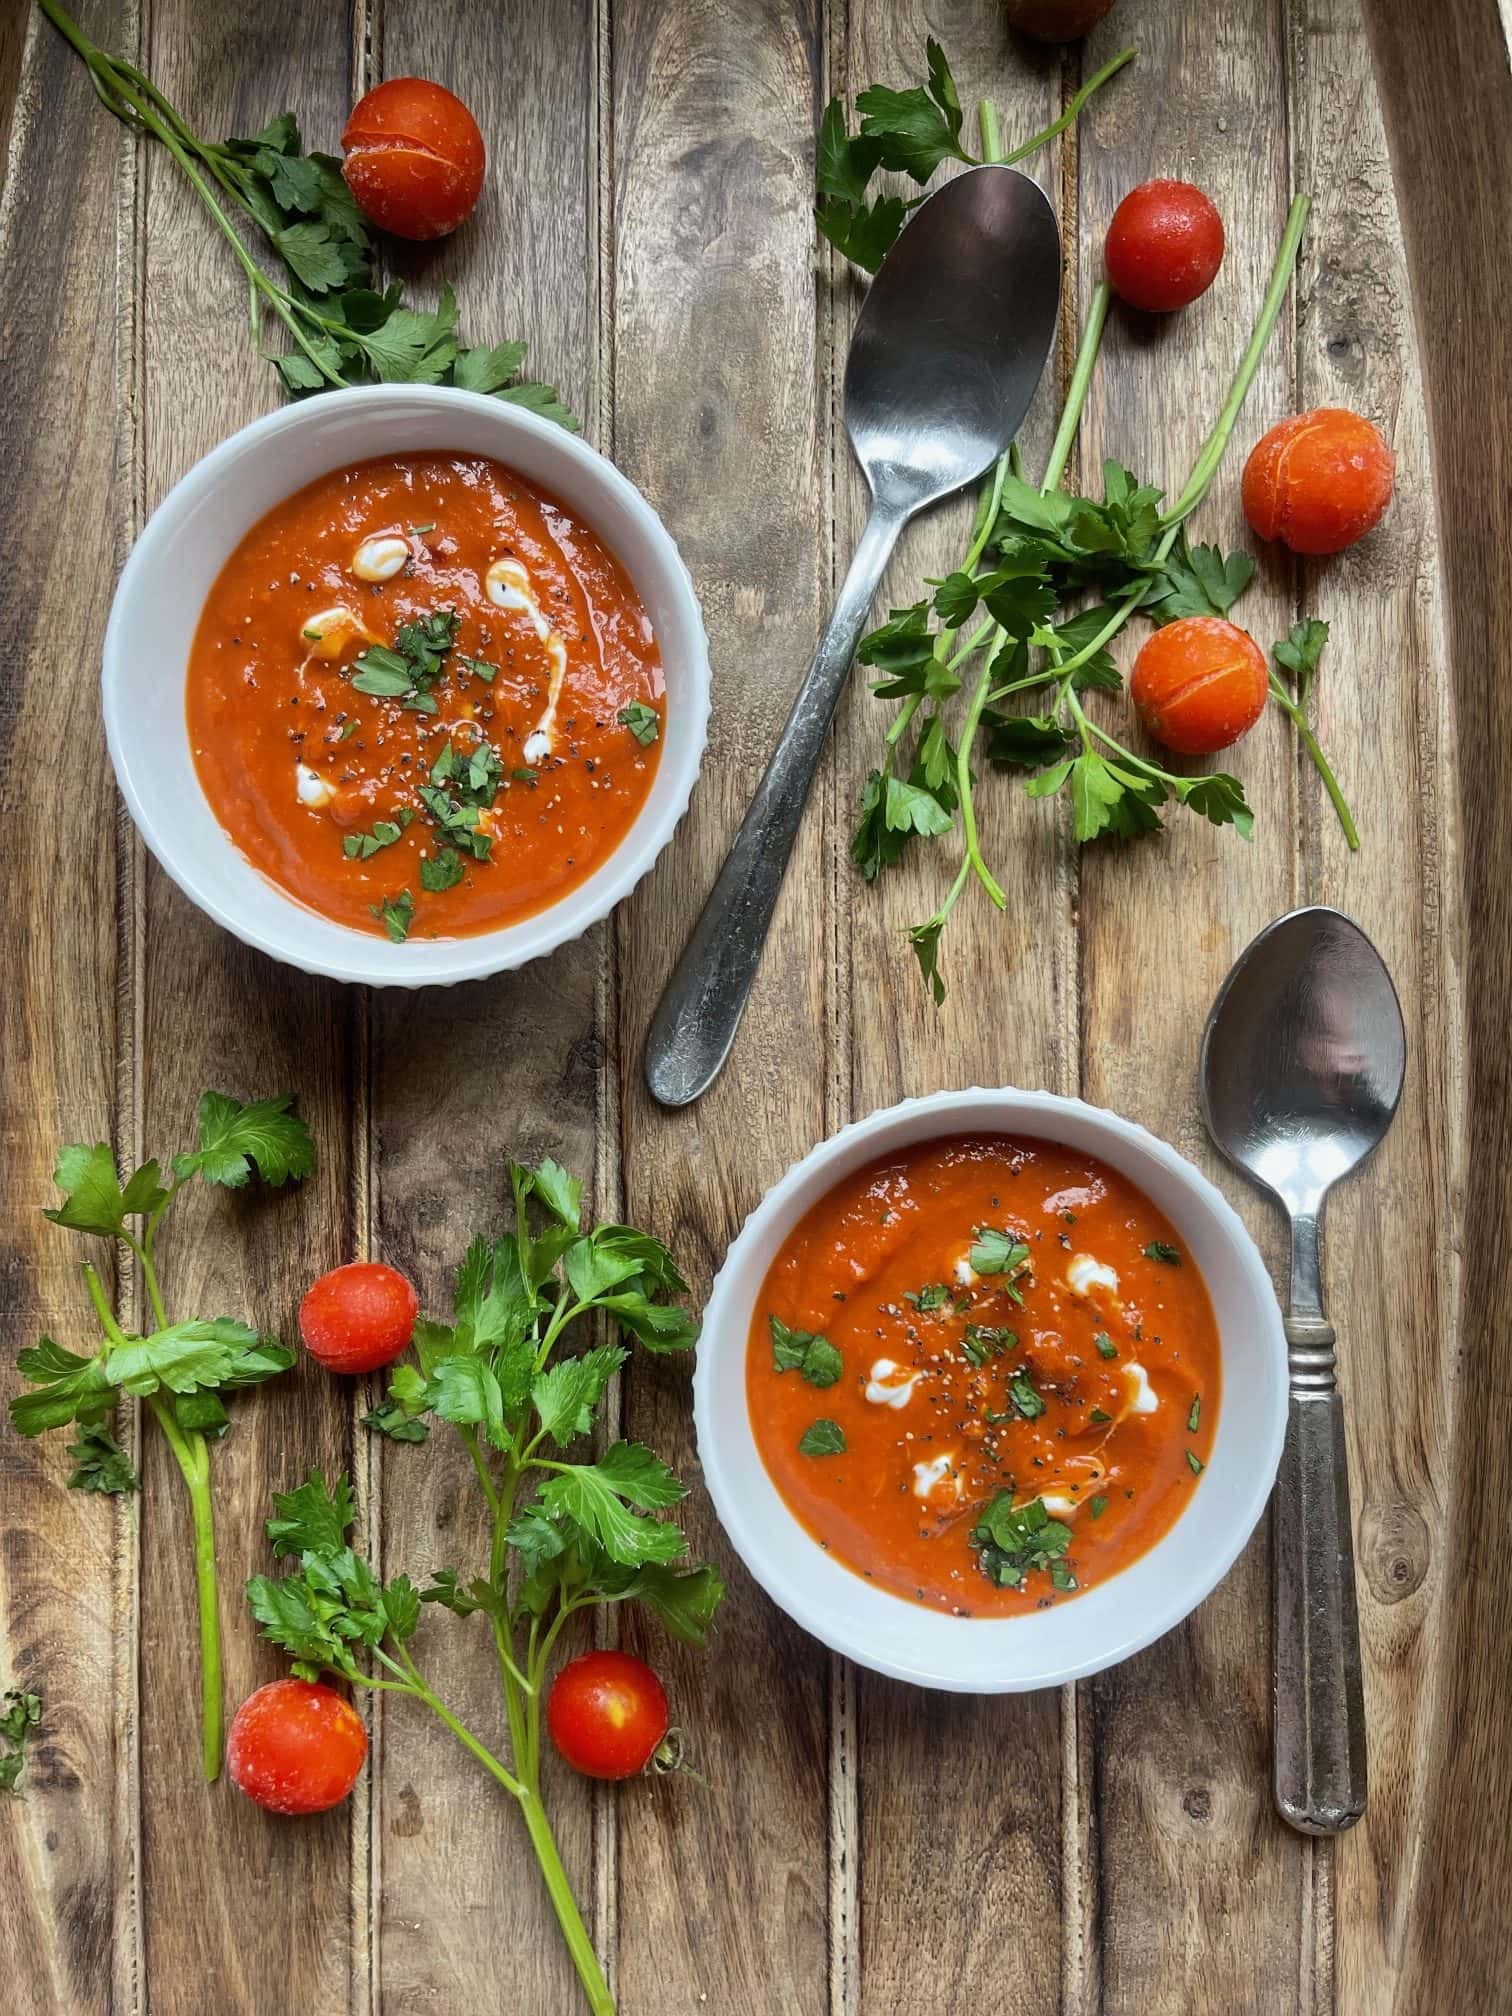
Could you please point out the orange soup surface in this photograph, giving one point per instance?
(423, 697)
(983, 1373)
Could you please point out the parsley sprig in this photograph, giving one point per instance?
(569, 1530)
(1014, 1542)
(342, 330)
(18, 1722)
(182, 1370)
(911, 133)
(1002, 626)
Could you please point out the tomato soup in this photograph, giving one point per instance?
(984, 1374)
(424, 698)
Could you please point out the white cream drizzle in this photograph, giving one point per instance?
(311, 789)
(381, 557)
(1084, 1273)
(885, 1389)
(508, 585)
(930, 1475)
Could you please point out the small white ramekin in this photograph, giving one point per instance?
(1083, 1634)
(188, 540)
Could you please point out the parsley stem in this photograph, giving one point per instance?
(408, 1668)
(964, 788)
(193, 1458)
(992, 139)
(1076, 391)
(102, 1306)
(1094, 83)
(1206, 466)
(1321, 764)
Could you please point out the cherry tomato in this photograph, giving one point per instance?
(1318, 481)
(414, 158)
(1164, 246)
(1055, 20)
(607, 1714)
(358, 1317)
(1199, 684)
(296, 1747)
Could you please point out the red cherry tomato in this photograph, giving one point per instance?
(1199, 684)
(358, 1317)
(414, 158)
(1055, 20)
(296, 1747)
(607, 1714)
(1164, 246)
(1318, 481)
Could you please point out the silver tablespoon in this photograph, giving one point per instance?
(1302, 1068)
(947, 351)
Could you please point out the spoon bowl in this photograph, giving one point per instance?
(1302, 1069)
(948, 348)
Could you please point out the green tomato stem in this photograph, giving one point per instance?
(1073, 111)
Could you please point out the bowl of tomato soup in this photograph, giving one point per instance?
(992, 1390)
(405, 685)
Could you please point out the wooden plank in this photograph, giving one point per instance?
(1385, 701)
(246, 1911)
(1198, 1884)
(66, 1880)
(452, 1853)
(937, 1882)
(716, 378)
(1425, 63)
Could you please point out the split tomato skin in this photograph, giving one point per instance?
(1318, 481)
(414, 158)
(1199, 684)
(1164, 246)
(607, 1714)
(296, 1747)
(359, 1318)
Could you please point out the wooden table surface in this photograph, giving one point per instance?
(861, 1848)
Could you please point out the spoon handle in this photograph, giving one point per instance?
(700, 1012)
(1319, 1707)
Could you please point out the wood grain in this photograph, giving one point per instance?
(1197, 1881)
(859, 1848)
(935, 1891)
(519, 1072)
(64, 1857)
(239, 1908)
(717, 369)
(1446, 94)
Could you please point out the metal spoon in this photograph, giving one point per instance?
(1302, 1068)
(947, 351)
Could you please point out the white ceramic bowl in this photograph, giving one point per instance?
(1088, 1632)
(187, 541)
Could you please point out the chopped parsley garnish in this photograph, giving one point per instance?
(1098, 1415)
(806, 1352)
(363, 846)
(1000, 1253)
(407, 671)
(396, 914)
(1097, 1506)
(931, 1297)
(643, 722)
(1195, 1464)
(1167, 1255)
(441, 870)
(1061, 1576)
(1015, 1541)
(1024, 1397)
(479, 668)
(1194, 1414)
(824, 1438)
(1106, 1348)
(981, 1344)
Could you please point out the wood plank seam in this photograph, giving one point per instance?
(842, 1786)
(128, 1959)
(365, 1970)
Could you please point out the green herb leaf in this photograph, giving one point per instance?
(313, 1519)
(804, 1352)
(822, 1438)
(1194, 1413)
(982, 1345)
(685, 1599)
(441, 870)
(94, 1199)
(101, 1464)
(1197, 581)
(919, 128)
(22, 1713)
(396, 914)
(565, 1395)
(234, 1139)
(1013, 1542)
(995, 1252)
(1105, 1346)
(67, 1388)
(1097, 1506)
(643, 722)
(1026, 1400)
(1194, 1465)
(593, 1497)
(1169, 1256)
